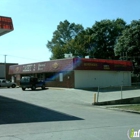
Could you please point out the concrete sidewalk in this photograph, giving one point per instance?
(107, 96)
(116, 95)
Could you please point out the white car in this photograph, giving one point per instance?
(5, 83)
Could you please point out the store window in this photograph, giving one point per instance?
(50, 76)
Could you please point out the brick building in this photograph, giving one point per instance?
(77, 72)
(4, 70)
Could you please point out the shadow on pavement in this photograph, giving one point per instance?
(14, 111)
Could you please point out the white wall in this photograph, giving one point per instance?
(90, 78)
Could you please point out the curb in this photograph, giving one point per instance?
(124, 110)
(117, 109)
(132, 100)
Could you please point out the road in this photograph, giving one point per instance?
(60, 114)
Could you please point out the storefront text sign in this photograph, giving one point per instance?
(27, 68)
(41, 66)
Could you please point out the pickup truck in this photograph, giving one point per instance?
(31, 82)
(8, 84)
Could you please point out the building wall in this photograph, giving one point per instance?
(87, 79)
(2, 70)
(77, 72)
(63, 79)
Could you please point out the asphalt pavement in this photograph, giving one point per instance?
(60, 114)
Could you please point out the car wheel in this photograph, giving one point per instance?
(43, 87)
(33, 87)
(23, 89)
(13, 86)
(8, 87)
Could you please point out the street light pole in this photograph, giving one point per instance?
(5, 65)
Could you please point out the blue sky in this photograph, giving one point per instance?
(36, 20)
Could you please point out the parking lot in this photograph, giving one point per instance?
(59, 113)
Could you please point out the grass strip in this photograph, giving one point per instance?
(129, 107)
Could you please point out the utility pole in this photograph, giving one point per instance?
(5, 66)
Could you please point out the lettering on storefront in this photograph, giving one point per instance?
(27, 68)
(41, 66)
(91, 64)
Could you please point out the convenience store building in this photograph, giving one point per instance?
(77, 72)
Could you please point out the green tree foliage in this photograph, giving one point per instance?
(82, 43)
(104, 36)
(99, 41)
(130, 40)
(62, 40)
(129, 44)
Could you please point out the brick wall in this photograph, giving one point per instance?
(68, 81)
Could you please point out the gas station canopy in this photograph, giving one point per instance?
(6, 25)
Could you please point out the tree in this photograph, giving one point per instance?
(104, 36)
(81, 43)
(130, 40)
(129, 44)
(62, 39)
(99, 41)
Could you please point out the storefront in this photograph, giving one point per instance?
(77, 72)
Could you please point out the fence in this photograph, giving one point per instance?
(111, 93)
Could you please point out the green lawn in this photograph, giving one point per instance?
(129, 107)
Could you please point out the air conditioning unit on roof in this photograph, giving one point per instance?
(69, 55)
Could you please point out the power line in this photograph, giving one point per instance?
(20, 57)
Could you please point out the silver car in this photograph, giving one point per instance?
(5, 83)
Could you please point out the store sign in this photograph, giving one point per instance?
(27, 68)
(41, 66)
(6, 25)
(55, 65)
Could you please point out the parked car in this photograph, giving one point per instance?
(31, 82)
(6, 83)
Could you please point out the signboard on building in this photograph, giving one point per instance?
(71, 65)
(6, 25)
